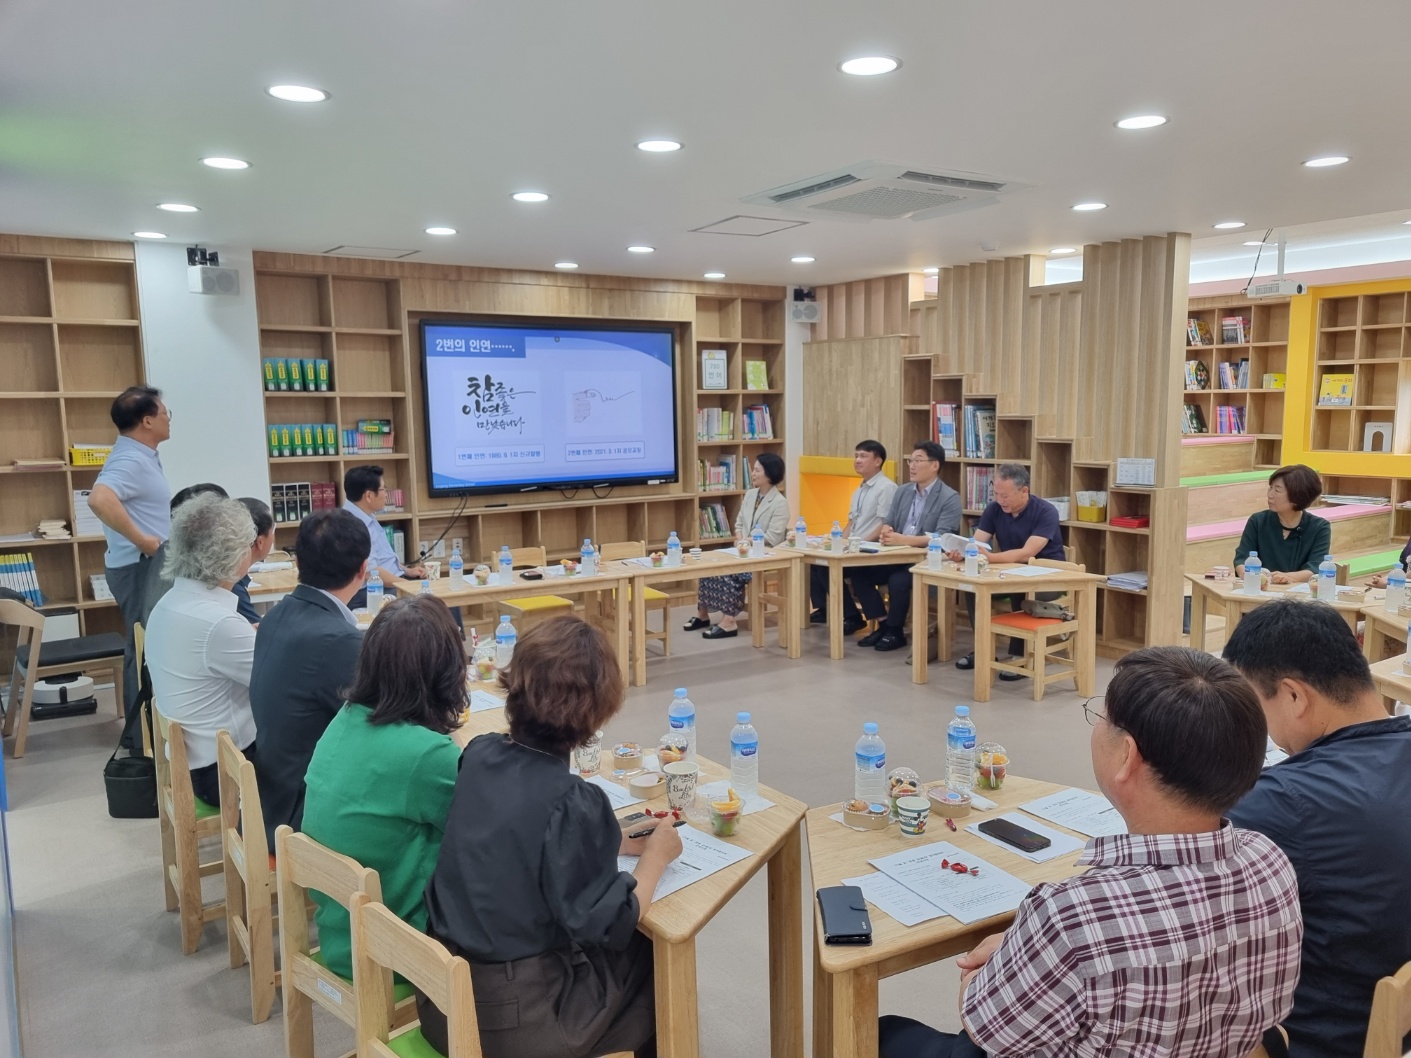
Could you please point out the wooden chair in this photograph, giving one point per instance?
(532, 608)
(304, 864)
(1047, 640)
(1391, 1015)
(87, 654)
(655, 599)
(249, 881)
(184, 821)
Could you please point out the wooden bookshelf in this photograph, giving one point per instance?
(1366, 336)
(70, 341)
(1264, 348)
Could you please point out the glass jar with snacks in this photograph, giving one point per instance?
(991, 764)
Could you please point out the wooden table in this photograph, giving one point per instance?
(774, 836)
(271, 585)
(610, 579)
(1382, 626)
(997, 580)
(837, 562)
(1392, 680)
(1227, 598)
(718, 564)
(845, 976)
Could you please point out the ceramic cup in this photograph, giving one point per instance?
(681, 778)
(912, 813)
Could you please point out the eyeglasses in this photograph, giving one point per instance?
(1093, 715)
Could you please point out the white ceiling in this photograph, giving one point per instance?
(442, 108)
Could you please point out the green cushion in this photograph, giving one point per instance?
(1225, 479)
(205, 811)
(1362, 565)
(412, 1044)
(400, 989)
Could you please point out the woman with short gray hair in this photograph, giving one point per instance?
(199, 649)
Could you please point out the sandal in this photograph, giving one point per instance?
(716, 632)
(695, 624)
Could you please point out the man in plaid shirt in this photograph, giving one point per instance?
(1181, 940)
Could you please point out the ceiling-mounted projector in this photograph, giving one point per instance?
(1274, 288)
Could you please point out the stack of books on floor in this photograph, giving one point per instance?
(1229, 418)
(17, 573)
(53, 529)
(1136, 580)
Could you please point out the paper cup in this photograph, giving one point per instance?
(588, 758)
(681, 778)
(912, 813)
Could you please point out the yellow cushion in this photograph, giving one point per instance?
(652, 593)
(539, 602)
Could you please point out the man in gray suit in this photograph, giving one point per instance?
(923, 506)
(306, 649)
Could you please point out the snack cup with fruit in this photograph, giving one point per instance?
(902, 782)
(658, 559)
(481, 574)
(570, 567)
(672, 748)
(991, 765)
(485, 669)
(725, 815)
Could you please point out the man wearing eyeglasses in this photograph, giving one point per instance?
(364, 494)
(1181, 938)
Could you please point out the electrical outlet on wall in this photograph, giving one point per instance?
(457, 544)
(439, 551)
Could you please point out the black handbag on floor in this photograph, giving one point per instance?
(131, 782)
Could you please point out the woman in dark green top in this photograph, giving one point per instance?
(1290, 541)
(380, 781)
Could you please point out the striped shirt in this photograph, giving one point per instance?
(1171, 946)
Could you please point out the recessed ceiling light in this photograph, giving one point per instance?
(641, 249)
(802, 259)
(1064, 249)
(297, 93)
(1227, 224)
(1256, 242)
(530, 196)
(1323, 163)
(177, 207)
(715, 275)
(440, 231)
(933, 270)
(869, 65)
(225, 163)
(659, 146)
(565, 264)
(1142, 121)
(148, 235)
(1088, 207)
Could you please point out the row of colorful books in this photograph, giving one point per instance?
(1234, 376)
(758, 425)
(1197, 375)
(715, 424)
(715, 523)
(1192, 419)
(1234, 330)
(291, 373)
(357, 440)
(979, 431)
(979, 487)
(17, 573)
(1198, 333)
(943, 418)
(1229, 418)
(303, 439)
(293, 501)
(718, 476)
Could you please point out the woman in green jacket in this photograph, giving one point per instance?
(1290, 541)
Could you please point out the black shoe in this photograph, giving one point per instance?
(1010, 677)
(695, 624)
(716, 632)
(967, 662)
(874, 637)
(818, 617)
(890, 641)
(853, 625)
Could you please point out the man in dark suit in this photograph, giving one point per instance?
(923, 506)
(306, 649)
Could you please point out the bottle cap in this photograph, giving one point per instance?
(962, 710)
(1327, 558)
(586, 541)
(680, 692)
(869, 729)
(504, 617)
(742, 718)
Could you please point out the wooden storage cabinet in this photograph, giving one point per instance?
(1265, 351)
(1366, 336)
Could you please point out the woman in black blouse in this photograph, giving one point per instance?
(527, 887)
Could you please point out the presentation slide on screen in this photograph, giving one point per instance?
(519, 406)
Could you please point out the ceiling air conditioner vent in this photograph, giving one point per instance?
(885, 191)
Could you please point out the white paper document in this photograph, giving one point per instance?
(891, 897)
(1028, 571)
(984, 804)
(701, 856)
(956, 542)
(262, 567)
(1087, 813)
(967, 897)
(480, 701)
(1060, 844)
(619, 796)
(1272, 753)
(718, 791)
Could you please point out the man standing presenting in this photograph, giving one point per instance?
(306, 649)
(132, 499)
(923, 506)
(364, 495)
(871, 502)
(1022, 527)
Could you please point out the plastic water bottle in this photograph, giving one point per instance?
(935, 554)
(505, 639)
(960, 754)
(757, 543)
(835, 539)
(425, 588)
(800, 533)
(1327, 579)
(870, 778)
(506, 565)
(374, 591)
(744, 757)
(972, 558)
(673, 550)
(1396, 588)
(457, 569)
(588, 559)
(681, 718)
(1253, 574)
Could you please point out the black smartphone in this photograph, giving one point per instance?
(1013, 834)
(844, 914)
(531, 574)
(631, 819)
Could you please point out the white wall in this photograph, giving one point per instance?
(203, 353)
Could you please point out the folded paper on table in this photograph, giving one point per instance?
(889, 896)
(701, 856)
(1081, 810)
(966, 897)
(618, 796)
(480, 701)
(720, 790)
(1028, 571)
(1060, 844)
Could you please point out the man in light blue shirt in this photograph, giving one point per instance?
(364, 495)
(132, 499)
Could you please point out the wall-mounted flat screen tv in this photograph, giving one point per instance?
(518, 407)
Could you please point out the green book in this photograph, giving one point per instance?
(310, 375)
(756, 374)
(268, 365)
(295, 368)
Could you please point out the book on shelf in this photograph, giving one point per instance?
(56, 463)
(1234, 375)
(1234, 330)
(53, 529)
(1197, 375)
(715, 424)
(713, 370)
(715, 523)
(1275, 380)
(1192, 419)
(756, 374)
(303, 439)
(758, 424)
(292, 501)
(718, 476)
(292, 373)
(1339, 499)
(17, 573)
(1198, 333)
(979, 487)
(1229, 418)
(979, 431)
(943, 418)
(369, 435)
(1335, 391)
(86, 523)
